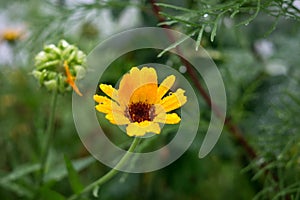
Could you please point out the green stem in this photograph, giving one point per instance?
(48, 134)
(109, 174)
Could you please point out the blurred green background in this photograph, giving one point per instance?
(256, 46)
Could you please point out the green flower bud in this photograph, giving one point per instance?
(37, 74)
(62, 44)
(80, 57)
(57, 66)
(80, 71)
(52, 50)
(51, 84)
(41, 57)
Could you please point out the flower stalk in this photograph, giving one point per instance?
(111, 173)
(48, 133)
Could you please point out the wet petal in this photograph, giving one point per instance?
(140, 129)
(101, 99)
(165, 86)
(174, 101)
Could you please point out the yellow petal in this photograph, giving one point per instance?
(145, 93)
(101, 99)
(140, 129)
(148, 75)
(103, 108)
(117, 118)
(139, 84)
(165, 86)
(106, 105)
(164, 118)
(114, 113)
(173, 101)
(109, 91)
(127, 85)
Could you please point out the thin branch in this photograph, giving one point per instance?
(234, 130)
(192, 73)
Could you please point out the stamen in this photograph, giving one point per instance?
(70, 79)
(139, 112)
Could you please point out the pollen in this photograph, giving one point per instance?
(140, 111)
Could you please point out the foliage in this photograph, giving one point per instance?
(259, 64)
(200, 16)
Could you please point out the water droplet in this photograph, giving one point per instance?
(285, 5)
(207, 29)
(182, 69)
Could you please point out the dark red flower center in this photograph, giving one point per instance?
(138, 112)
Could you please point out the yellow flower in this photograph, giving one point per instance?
(12, 35)
(140, 103)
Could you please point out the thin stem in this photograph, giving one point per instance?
(50, 126)
(111, 173)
